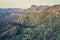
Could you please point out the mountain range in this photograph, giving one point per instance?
(4, 13)
(34, 23)
(11, 15)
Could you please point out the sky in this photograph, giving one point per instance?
(26, 3)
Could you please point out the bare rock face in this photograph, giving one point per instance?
(35, 8)
(26, 22)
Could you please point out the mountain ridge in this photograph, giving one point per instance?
(44, 25)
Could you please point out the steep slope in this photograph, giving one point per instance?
(48, 26)
(8, 19)
(7, 11)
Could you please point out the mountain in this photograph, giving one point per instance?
(5, 12)
(35, 8)
(9, 10)
(44, 25)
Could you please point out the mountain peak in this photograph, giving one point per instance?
(35, 8)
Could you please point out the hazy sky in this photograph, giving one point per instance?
(26, 3)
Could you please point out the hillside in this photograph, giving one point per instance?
(33, 26)
(5, 13)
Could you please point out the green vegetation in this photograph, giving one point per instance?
(41, 26)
